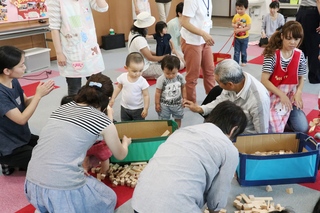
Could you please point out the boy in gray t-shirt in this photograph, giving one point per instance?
(170, 90)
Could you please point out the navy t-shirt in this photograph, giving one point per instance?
(12, 135)
(163, 44)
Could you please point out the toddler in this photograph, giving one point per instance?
(170, 90)
(135, 96)
(165, 44)
(241, 23)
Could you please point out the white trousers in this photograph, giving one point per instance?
(163, 9)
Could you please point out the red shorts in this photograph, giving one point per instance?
(100, 150)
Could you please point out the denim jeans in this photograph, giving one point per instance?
(297, 121)
(240, 46)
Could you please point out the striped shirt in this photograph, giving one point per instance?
(269, 64)
(56, 160)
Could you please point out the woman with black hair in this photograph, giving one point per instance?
(137, 42)
(56, 180)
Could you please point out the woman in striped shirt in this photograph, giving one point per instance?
(282, 74)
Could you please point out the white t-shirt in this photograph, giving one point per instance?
(136, 45)
(132, 97)
(200, 16)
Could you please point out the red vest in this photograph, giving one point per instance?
(288, 75)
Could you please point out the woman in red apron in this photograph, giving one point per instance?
(282, 74)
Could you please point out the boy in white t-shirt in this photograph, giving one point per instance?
(135, 96)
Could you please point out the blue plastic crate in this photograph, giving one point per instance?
(299, 167)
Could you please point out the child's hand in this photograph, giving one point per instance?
(286, 102)
(158, 108)
(144, 113)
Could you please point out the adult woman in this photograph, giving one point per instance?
(56, 180)
(137, 42)
(75, 40)
(16, 142)
(163, 9)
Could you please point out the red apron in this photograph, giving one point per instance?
(285, 79)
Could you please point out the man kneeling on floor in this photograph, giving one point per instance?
(193, 167)
(242, 89)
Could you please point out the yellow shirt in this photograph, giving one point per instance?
(242, 21)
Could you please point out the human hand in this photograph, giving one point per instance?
(208, 38)
(144, 113)
(318, 29)
(297, 98)
(285, 101)
(158, 108)
(126, 140)
(44, 88)
(192, 106)
(62, 60)
(263, 35)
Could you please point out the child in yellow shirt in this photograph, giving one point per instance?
(241, 23)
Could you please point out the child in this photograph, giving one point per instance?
(16, 108)
(242, 24)
(170, 90)
(135, 96)
(99, 151)
(271, 22)
(165, 45)
(282, 74)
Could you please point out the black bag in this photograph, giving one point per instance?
(263, 42)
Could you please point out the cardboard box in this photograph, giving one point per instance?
(146, 138)
(255, 170)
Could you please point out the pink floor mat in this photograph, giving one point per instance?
(43, 75)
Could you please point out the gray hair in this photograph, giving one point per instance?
(229, 70)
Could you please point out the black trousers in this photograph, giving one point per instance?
(21, 156)
(309, 19)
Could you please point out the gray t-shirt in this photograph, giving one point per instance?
(269, 26)
(56, 161)
(193, 167)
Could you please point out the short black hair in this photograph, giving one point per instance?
(179, 8)
(159, 26)
(227, 115)
(243, 3)
(170, 62)
(274, 4)
(10, 57)
(134, 57)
